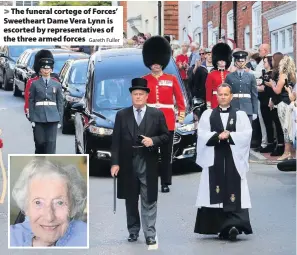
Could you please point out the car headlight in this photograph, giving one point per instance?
(187, 127)
(100, 130)
(72, 99)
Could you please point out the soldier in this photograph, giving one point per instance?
(164, 88)
(35, 77)
(45, 106)
(221, 60)
(244, 87)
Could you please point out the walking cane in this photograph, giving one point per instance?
(114, 194)
(4, 177)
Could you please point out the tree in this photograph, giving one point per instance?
(75, 3)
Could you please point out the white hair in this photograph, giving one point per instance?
(195, 44)
(41, 167)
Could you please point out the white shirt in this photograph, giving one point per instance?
(143, 110)
(258, 72)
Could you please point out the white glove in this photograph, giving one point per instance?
(59, 125)
(255, 116)
(33, 124)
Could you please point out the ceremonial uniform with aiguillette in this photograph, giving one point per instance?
(40, 54)
(244, 88)
(45, 109)
(215, 78)
(164, 89)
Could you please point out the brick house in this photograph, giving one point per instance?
(258, 22)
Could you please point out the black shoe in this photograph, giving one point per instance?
(223, 236)
(165, 189)
(258, 149)
(132, 238)
(150, 241)
(233, 232)
(278, 151)
(268, 148)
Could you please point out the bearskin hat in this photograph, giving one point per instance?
(221, 51)
(156, 50)
(167, 37)
(39, 55)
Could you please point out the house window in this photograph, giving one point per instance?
(290, 37)
(198, 35)
(146, 26)
(257, 24)
(282, 40)
(27, 3)
(156, 25)
(230, 25)
(215, 35)
(247, 38)
(210, 33)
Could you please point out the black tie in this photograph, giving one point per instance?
(46, 83)
(240, 74)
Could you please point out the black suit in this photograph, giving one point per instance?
(138, 166)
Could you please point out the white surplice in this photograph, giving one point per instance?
(240, 151)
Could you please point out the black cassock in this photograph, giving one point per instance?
(224, 181)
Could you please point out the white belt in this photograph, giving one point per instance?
(46, 103)
(214, 92)
(170, 106)
(242, 95)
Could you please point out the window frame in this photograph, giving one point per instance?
(277, 34)
(257, 8)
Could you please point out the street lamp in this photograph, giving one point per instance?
(159, 17)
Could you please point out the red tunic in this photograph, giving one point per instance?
(27, 92)
(213, 81)
(163, 90)
(182, 59)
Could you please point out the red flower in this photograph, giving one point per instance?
(1, 143)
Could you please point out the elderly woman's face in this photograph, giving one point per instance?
(48, 208)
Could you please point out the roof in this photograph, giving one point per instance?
(116, 53)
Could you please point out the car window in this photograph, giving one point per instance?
(64, 71)
(127, 68)
(19, 61)
(60, 61)
(25, 58)
(78, 73)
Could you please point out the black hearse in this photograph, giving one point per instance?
(107, 91)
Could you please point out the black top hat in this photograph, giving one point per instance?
(139, 83)
(240, 55)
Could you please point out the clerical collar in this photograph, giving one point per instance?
(224, 109)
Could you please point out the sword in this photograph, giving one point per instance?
(114, 194)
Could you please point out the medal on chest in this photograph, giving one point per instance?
(166, 83)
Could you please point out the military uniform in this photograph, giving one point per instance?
(244, 89)
(45, 111)
(163, 89)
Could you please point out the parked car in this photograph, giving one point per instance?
(24, 66)
(8, 58)
(107, 91)
(73, 77)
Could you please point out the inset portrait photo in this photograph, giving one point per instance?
(48, 198)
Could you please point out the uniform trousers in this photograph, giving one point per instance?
(45, 136)
(166, 161)
(148, 209)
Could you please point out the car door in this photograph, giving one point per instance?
(22, 71)
(2, 62)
